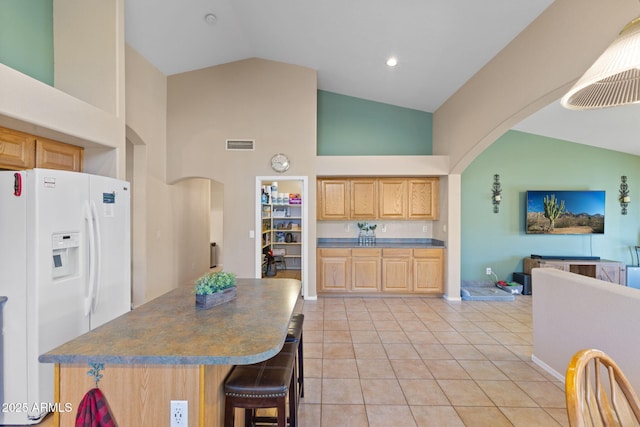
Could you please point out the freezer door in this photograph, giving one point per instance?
(110, 204)
(13, 269)
(48, 308)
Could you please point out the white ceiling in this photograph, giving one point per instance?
(439, 45)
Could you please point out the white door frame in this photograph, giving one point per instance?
(305, 226)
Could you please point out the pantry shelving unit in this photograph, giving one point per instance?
(282, 232)
(282, 228)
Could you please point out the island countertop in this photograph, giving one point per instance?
(170, 330)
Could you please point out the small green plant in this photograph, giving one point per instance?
(216, 281)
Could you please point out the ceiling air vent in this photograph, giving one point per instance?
(240, 144)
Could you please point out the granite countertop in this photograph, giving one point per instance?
(170, 330)
(380, 243)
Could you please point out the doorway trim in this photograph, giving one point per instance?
(305, 226)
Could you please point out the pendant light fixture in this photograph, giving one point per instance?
(614, 79)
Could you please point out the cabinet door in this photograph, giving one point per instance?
(334, 270)
(364, 199)
(396, 270)
(610, 273)
(58, 155)
(428, 270)
(365, 268)
(17, 150)
(393, 198)
(423, 198)
(333, 199)
(558, 265)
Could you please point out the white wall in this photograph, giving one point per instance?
(573, 312)
(270, 102)
(170, 222)
(216, 221)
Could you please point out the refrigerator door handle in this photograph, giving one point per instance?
(92, 258)
(98, 256)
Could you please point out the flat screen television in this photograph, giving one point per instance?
(565, 212)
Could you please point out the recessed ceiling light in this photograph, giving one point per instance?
(392, 62)
(210, 18)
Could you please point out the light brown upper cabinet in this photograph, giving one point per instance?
(423, 198)
(393, 198)
(401, 198)
(57, 155)
(364, 198)
(333, 199)
(19, 150)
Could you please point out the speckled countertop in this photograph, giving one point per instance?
(380, 243)
(170, 330)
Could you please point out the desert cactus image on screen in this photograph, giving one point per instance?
(552, 209)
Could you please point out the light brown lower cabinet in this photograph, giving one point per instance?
(386, 270)
(334, 270)
(365, 270)
(428, 270)
(396, 270)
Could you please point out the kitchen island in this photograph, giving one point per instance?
(169, 350)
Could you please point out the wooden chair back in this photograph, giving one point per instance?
(598, 393)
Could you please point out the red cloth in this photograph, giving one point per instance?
(94, 411)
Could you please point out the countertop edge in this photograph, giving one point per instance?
(324, 242)
(162, 360)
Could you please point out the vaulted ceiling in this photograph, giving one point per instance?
(439, 45)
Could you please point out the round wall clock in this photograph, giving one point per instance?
(280, 162)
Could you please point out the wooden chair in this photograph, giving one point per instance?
(598, 393)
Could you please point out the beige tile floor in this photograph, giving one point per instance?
(424, 362)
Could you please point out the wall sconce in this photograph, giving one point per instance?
(496, 190)
(624, 198)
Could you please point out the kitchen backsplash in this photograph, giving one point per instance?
(384, 229)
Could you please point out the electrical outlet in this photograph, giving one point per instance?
(425, 228)
(179, 413)
(489, 271)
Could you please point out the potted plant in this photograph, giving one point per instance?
(215, 288)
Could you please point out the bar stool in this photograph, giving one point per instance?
(263, 385)
(294, 335)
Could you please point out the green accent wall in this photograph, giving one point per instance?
(530, 162)
(26, 37)
(349, 126)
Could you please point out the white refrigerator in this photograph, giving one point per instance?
(65, 267)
